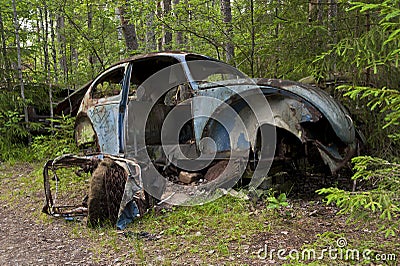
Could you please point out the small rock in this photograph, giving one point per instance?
(187, 178)
(211, 251)
(198, 233)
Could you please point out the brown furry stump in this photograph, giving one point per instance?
(105, 194)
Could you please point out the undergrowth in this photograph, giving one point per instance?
(14, 146)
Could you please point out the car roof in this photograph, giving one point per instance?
(175, 54)
(63, 106)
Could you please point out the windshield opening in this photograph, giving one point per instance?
(206, 70)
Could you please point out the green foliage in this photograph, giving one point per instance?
(12, 130)
(369, 54)
(60, 141)
(383, 199)
(277, 202)
(373, 55)
(384, 100)
(13, 135)
(389, 14)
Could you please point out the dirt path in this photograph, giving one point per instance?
(27, 240)
(24, 242)
(28, 237)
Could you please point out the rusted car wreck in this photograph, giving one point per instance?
(174, 127)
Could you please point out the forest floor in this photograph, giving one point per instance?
(228, 231)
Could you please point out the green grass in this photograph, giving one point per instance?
(225, 231)
(217, 229)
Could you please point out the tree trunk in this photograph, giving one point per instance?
(150, 33)
(277, 37)
(38, 59)
(227, 19)
(167, 40)
(368, 69)
(315, 10)
(6, 67)
(179, 36)
(63, 51)
(332, 29)
(90, 28)
(19, 64)
(320, 15)
(74, 58)
(332, 13)
(158, 13)
(189, 35)
(311, 11)
(45, 28)
(53, 48)
(63, 47)
(128, 29)
(253, 43)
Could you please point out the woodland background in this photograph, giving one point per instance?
(51, 48)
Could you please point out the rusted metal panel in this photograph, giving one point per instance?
(289, 113)
(292, 104)
(337, 116)
(71, 104)
(105, 122)
(228, 120)
(211, 102)
(207, 101)
(84, 132)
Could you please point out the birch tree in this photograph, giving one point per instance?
(19, 63)
(5, 66)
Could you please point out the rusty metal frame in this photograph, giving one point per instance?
(86, 163)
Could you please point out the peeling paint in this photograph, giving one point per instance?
(128, 122)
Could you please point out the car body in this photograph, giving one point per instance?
(122, 113)
(303, 112)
